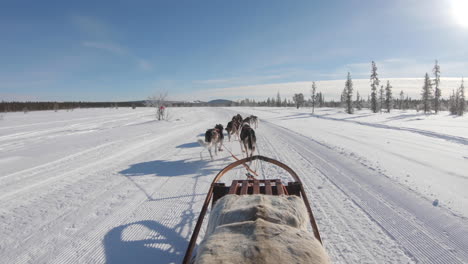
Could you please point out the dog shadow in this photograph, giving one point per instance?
(189, 145)
(166, 168)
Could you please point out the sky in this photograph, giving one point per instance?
(195, 50)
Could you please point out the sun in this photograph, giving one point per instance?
(460, 11)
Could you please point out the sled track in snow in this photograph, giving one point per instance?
(428, 233)
(332, 224)
(455, 139)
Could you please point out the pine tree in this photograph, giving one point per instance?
(343, 97)
(358, 101)
(438, 93)
(453, 107)
(402, 98)
(374, 84)
(278, 100)
(427, 94)
(313, 97)
(381, 98)
(461, 99)
(348, 92)
(388, 97)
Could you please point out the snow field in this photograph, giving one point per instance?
(116, 186)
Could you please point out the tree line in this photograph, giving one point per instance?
(36, 106)
(380, 99)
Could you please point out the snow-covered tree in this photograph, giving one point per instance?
(313, 96)
(298, 100)
(438, 93)
(461, 100)
(388, 97)
(348, 94)
(374, 79)
(426, 94)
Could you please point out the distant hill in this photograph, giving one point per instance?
(221, 102)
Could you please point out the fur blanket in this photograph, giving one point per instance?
(259, 229)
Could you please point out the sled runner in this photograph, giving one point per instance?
(274, 211)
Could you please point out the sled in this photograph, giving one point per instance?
(250, 186)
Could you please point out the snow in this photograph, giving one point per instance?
(117, 186)
(426, 153)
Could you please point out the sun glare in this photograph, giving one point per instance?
(460, 11)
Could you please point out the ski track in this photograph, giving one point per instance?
(106, 204)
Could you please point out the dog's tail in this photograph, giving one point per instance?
(252, 139)
(201, 142)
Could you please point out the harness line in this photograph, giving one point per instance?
(245, 165)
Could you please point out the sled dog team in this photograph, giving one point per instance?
(241, 128)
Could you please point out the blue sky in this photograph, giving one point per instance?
(128, 50)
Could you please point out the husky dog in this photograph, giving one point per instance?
(233, 127)
(247, 120)
(248, 139)
(213, 137)
(237, 118)
(254, 121)
(230, 129)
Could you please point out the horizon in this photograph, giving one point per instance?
(331, 89)
(124, 51)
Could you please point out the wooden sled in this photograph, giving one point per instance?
(247, 187)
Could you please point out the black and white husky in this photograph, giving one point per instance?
(248, 139)
(213, 138)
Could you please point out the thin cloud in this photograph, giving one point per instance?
(110, 47)
(92, 27)
(144, 64)
(331, 89)
(238, 80)
(101, 36)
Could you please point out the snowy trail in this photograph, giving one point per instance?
(428, 234)
(130, 190)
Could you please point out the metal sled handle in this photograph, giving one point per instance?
(256, 157)
(193, 239)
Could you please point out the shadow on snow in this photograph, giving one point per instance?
(165, 244)
(120, 250)
(167, 168)
(189, 145)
